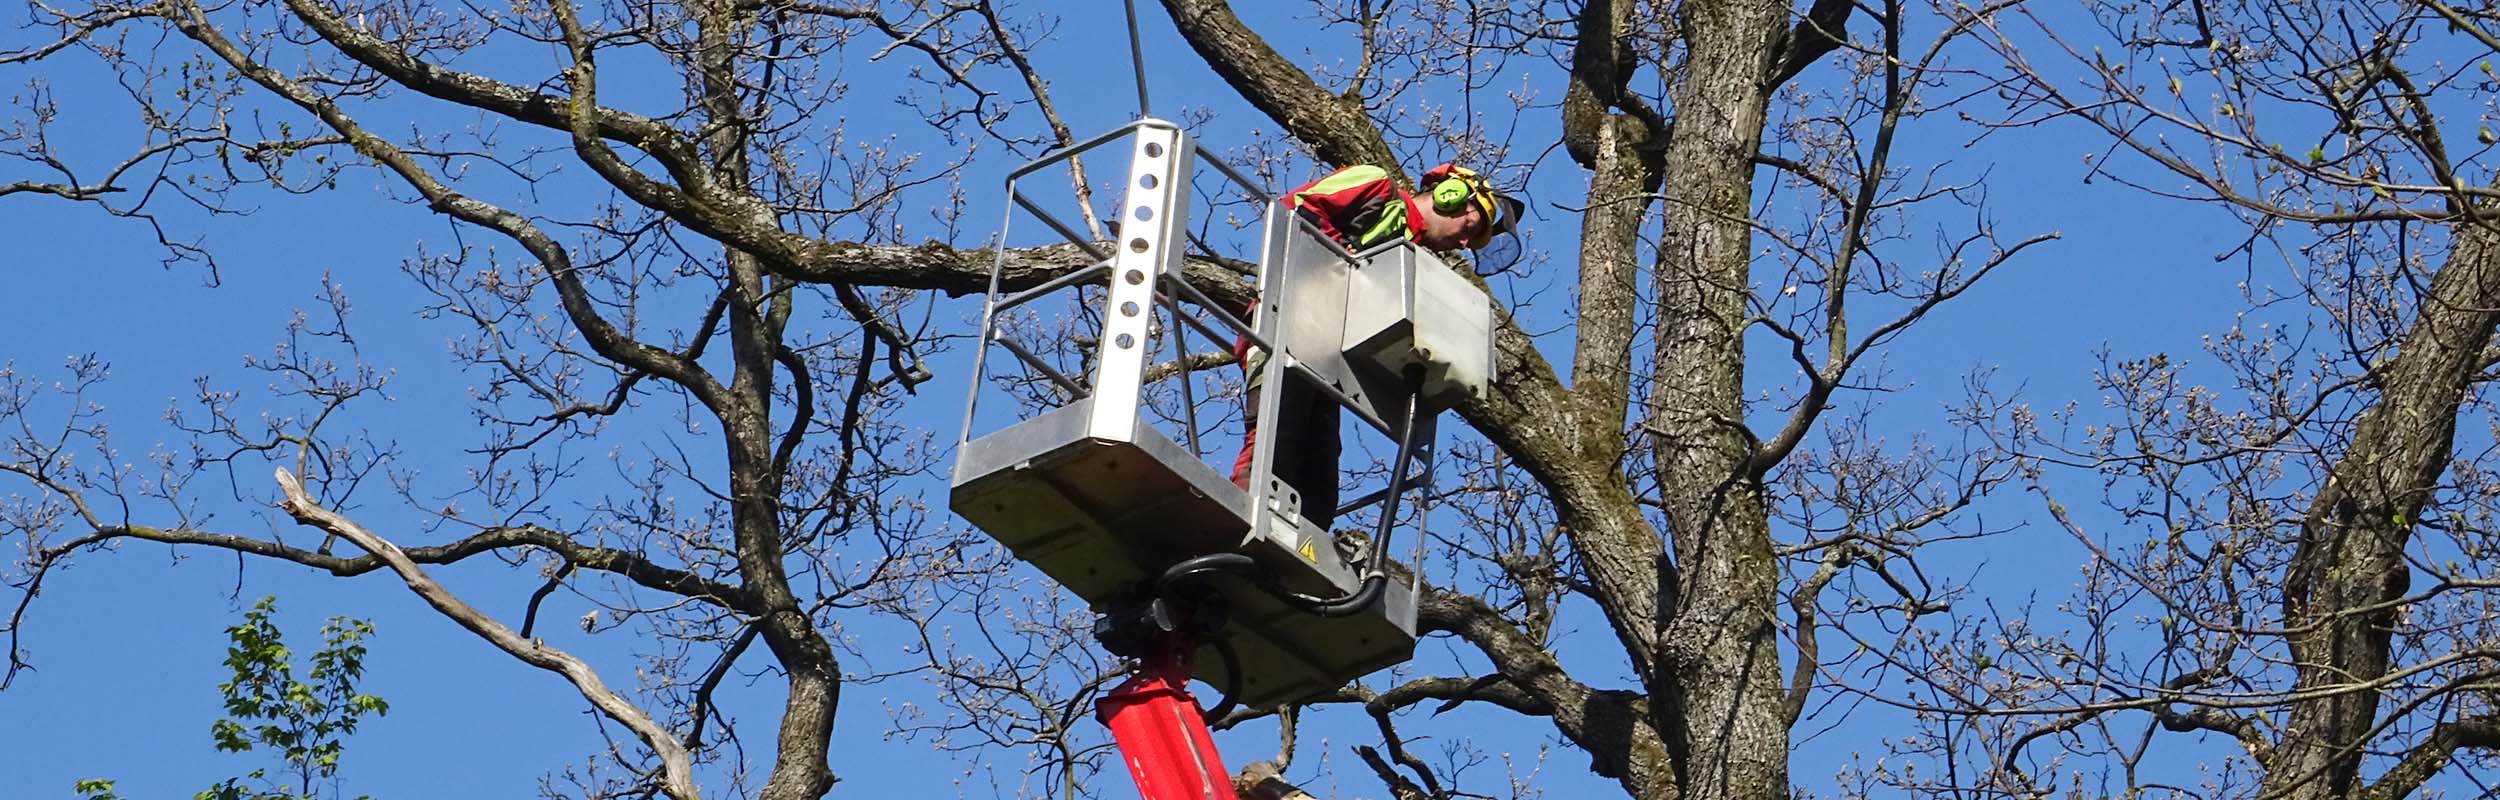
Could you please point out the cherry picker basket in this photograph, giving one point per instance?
(1110, 466)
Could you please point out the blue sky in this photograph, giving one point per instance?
(128, 646)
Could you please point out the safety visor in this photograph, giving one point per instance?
(1501, 213)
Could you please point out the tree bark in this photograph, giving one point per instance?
(1719, 684)
(801, 765)
(2349, 566)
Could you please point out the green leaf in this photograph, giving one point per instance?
(303, 722)
(229, 736)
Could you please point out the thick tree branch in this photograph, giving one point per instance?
(1612, 726)
(556, 112)
(1337, 127)
(1823, 28)
(2350, 557)
(2433, 755)
(676, 777)
(1622, 553)
(629, 565)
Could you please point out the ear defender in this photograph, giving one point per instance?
(1450, 196)
(1452, 186)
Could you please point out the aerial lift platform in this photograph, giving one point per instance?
(1098, 474)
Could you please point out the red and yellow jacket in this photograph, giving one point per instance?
(1359, 206)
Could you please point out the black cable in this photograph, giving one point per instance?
(1193, 571)
(1232, 681)
(1375, 581)
(1185, 582)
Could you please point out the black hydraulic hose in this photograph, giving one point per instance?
(1191, 571)
(1373, 585)
(1232, 682)
(1376, 581)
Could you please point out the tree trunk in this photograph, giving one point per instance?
(2349, 566)
(1719, 690)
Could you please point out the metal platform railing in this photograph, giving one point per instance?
(1101, 476)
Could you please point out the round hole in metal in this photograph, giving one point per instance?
(1147, 181)
(1128, 309)
(1134, 276)
(1137, 245)
(1125, 341)
(1144, 213)
(1154, 149)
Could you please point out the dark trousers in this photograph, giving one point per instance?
(1307, 447)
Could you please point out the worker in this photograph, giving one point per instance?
(1362, 206)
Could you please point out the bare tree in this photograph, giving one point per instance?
(2288, 578)
(724, 248)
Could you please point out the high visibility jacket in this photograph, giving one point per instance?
(1359, 206)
